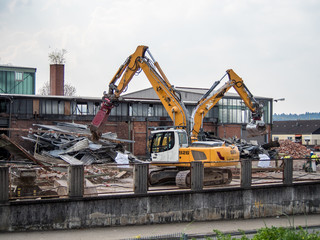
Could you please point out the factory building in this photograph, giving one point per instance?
(17, 80)
(133, 119)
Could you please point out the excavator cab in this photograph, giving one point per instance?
(165, 144)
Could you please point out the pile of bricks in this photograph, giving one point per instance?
(294, 150)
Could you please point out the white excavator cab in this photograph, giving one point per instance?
(165, 144)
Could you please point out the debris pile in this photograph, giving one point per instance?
(44, 173)
(35, 182)
(294, 150)
(252, 150)
(71, 143)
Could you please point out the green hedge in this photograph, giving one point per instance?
(274, 233)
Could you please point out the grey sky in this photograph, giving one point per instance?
(273, 45)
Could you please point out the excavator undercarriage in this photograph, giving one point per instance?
(182, 177)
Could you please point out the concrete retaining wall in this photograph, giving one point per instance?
(162, 207)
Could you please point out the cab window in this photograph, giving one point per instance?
(182, 138)
(162, 141)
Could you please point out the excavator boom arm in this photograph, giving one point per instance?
(210, 99)
(245, 95)
(169, 97)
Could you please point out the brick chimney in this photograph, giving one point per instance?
(57, 79)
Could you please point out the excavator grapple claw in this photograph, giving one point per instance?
(256, 128)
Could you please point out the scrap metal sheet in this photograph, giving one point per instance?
(16, 150)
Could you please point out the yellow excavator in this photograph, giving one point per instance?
(171, 149)
(170, 98)
(256, 127)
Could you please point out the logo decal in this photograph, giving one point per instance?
(219, 155)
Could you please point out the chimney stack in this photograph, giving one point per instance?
(57, 79)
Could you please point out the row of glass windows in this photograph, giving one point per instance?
(235, 111)
(227, 110)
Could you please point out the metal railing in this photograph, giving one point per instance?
(77, 181)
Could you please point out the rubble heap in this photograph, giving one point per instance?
(251, 150)
(294, 150)
(44, 173)
(71, 143)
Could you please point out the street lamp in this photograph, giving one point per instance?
(279, 99)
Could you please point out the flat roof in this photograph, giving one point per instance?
(124, 99)
(17, 68)
(193, 90)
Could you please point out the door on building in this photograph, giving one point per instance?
(298, 138)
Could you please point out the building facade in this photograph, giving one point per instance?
(306, 132)
(17, 80)
(134, 118)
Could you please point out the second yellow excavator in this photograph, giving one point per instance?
(171, 149)
(256, 127)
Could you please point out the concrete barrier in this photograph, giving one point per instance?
(154, 207)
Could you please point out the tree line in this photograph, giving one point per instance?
(290, 116)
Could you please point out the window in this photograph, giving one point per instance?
(150, 110)
(162, 141)
(3, 106)
(19, 76)
(183, 139)
(82, 109)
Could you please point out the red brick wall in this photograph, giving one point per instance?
(229, 131)
(25, 124)
(140, 134)
(209, 127)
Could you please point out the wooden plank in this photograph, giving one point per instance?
(36, 108)
(67, 108)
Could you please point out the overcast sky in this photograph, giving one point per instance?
(273, 45)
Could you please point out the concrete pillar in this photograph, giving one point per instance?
(246, 173)
(287, 171)
(4, 184)
(76, 180)
(197, 173)
(140, 178)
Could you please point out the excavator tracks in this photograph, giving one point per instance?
(182, 178)
(215, 176)
(162, 176)
(212, 177)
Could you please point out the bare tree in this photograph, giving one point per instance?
(45, 89)
(69, 90)
(57, 57)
